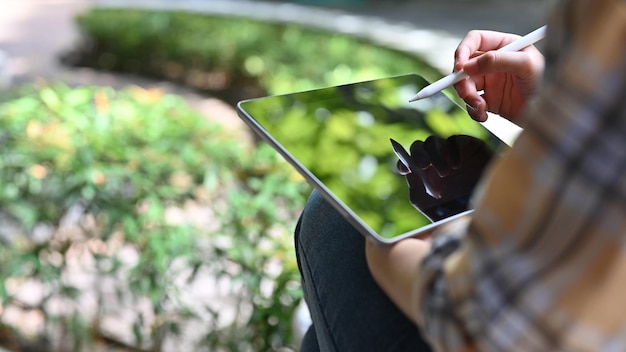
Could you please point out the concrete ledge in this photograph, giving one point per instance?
(434, 47)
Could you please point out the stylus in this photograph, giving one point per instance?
(456, 77)
(405, 158)
(402, 154)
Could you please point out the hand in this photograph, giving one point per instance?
(444, 173)
(508, 79)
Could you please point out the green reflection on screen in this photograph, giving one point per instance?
(341, 136)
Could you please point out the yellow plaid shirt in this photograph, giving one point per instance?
(542, 264)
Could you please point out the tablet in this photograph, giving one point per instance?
(393, 169)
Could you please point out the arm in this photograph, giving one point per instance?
(542, 242)
(395, 267)
(541, 265)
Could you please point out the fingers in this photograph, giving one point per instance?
(476, 54)
(480, 41)
(477, 109)
(476, 105)
(431, 152)
(402, 169)
(490, 70)
(455, 144)
(521, 64)
(419, 155)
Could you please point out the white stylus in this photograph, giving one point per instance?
(455, 77)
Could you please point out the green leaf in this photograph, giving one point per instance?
(70, 292)
(3, 291)
(50, 98)
(137, 333)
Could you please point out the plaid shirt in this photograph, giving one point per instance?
(542, 264)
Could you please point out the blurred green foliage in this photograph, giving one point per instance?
(239, 57)
(118, 163)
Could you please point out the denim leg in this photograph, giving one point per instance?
(349, 311)
(309, 341)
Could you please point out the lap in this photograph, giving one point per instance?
(349, 310)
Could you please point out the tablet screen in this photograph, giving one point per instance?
(339, 139)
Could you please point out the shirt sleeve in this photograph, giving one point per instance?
(542, 264)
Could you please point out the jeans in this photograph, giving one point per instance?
(349, 311)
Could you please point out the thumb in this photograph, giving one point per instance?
(517, 63)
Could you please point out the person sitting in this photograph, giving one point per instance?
(541, 265)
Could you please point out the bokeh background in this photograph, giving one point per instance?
(137, 212)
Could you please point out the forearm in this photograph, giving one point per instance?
(395, 269)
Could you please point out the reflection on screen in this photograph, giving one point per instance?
(442, 173)
(340, 135)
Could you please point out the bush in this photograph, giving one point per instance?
(237, 58)
(90, 179)
(234, 59)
